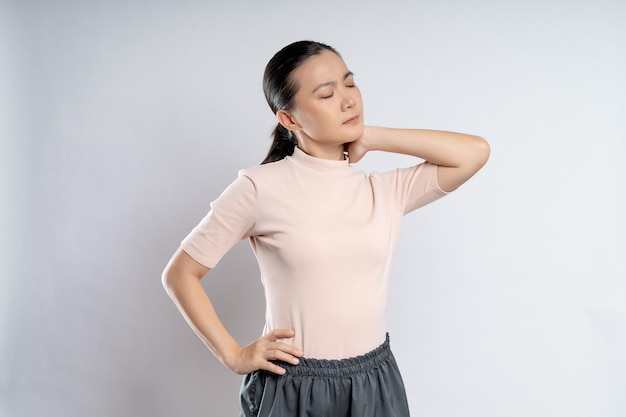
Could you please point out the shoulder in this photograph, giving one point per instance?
(269, 171)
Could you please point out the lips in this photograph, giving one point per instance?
(351, 120)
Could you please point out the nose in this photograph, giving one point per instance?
(348, 101)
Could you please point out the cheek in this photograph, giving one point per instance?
(313, 119)
(319, 116)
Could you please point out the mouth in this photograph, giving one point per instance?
(351, 120)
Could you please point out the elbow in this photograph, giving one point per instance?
(482, 150)
(180, 269)
(168, 278)
(474, 155)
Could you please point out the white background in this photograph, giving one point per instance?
(122, 120)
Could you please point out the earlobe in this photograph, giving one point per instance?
(287, 120)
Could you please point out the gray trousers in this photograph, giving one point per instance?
(369, 385)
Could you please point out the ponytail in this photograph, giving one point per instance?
(283, 145)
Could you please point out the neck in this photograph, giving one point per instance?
(331, 152)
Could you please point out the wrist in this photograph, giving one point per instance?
(229, 357)
(372, 138)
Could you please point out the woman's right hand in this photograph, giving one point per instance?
(258, 354)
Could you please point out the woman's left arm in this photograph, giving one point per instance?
(458, 155)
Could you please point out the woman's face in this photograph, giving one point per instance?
(328, 109)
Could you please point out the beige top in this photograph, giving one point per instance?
(324, 235)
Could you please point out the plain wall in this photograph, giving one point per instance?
(122, 120)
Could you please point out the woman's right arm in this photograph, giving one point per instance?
(181, 279)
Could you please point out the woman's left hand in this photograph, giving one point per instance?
(357, 149)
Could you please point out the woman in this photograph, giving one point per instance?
(324, 235)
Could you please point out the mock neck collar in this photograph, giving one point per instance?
(319, 164)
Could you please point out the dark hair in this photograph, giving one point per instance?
(280, 87)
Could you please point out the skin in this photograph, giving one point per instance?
(181, 279)
(326, 99)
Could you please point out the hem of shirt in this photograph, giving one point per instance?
(196, 256)
(439, 189)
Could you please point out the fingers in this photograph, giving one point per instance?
(283, 352)
(261, 353)
(272, 367)
(279, 351)
(276, 334)
(278, 355)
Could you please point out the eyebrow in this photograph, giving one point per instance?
(349, 73)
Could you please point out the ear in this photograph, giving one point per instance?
(287, 120)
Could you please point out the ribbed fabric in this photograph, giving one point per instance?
(368, 385)
(339, 367)
(324, 236)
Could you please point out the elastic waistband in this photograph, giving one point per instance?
(340, 367)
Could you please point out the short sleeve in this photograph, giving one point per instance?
(231, 218)
(413, 187)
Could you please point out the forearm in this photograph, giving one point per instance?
(439, 147)
(189, 296)
(458, 156)
(181, 279)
